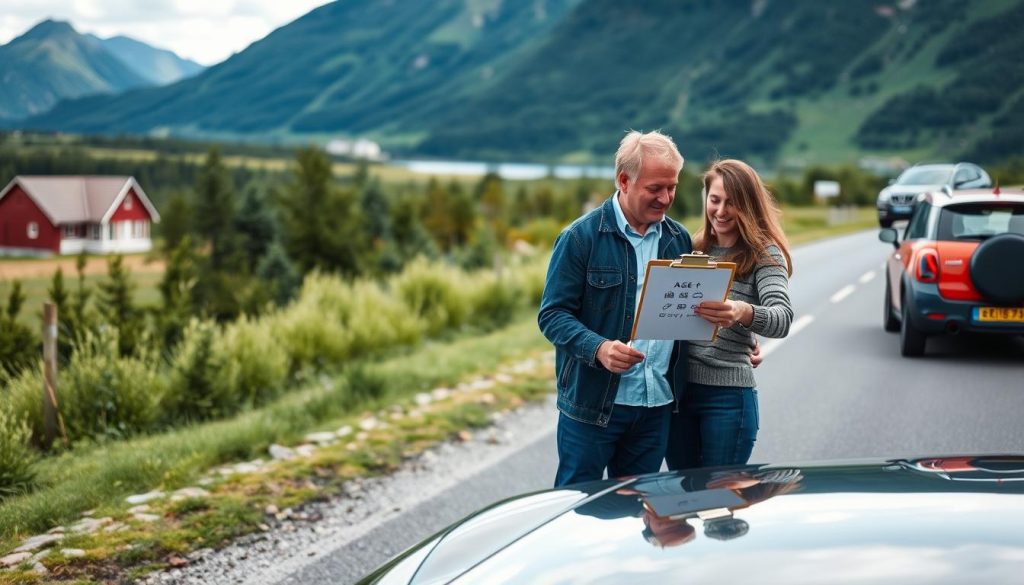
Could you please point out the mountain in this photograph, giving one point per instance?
(158, 66)
(789, 82)
(52, 61)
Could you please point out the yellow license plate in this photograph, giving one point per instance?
(1004, 314)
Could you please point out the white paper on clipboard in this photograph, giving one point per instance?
(672, 292)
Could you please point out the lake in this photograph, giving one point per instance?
(511, 171)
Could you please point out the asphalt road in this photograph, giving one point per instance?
(835, 388)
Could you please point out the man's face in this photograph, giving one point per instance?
(646, 200)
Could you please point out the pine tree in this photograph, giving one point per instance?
(438, 216)
(215, 209)
(256, 227)
(278, 273)
(175, 221)
(176, 293)
(117, 307)
(19, 348)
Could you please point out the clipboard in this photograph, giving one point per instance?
(668, 298)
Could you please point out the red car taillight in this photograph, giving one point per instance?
(927, 269)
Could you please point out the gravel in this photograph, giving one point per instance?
(305, 534)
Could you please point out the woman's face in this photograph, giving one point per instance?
(721, 210)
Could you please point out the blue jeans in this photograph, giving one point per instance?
(633, 443)
(715, 425)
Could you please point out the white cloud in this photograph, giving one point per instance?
(207, 31)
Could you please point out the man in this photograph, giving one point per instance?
(614, 398)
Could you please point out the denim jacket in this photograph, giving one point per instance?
(589, 297)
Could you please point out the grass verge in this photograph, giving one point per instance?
(99, 480)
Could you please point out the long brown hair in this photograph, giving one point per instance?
(758, 217)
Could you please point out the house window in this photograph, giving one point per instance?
(33, 230)
(94, 231)
(69, 230)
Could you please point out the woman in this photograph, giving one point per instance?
(717, 420)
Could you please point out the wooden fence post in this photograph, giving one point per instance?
(50, 415)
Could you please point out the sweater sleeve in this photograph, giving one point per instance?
(773, 312)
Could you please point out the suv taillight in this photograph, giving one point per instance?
(927, 268)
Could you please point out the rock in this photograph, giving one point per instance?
(351, 447)
(89, 525)
(72, 553)
(368, 424)
(503, 379)
(280, 452)
(176, 562)
(441, 393)
(423, 399)
(146, 517)
(188, 492)
(362, 436)
(306, 450)
(343, 431)
(271, 510)
(88, 513)
(487, 398)
(464, 436)
(41, 555)
(397, 415)
(39, 569)
(264, 527)
(115, 527)
(322, 438)
(39, 541)
(140, 509)
(143, 498)
(248, 467)
(14, 559)
(56, 530)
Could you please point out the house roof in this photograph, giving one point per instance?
(76, 199)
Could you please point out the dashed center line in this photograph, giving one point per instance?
(843, 293)
(867, 277)
(772, 344)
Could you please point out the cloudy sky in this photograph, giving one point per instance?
(206, 31)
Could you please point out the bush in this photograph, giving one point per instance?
(431, 291)
(102, 395)
(16, 457)
(494, 300)
(254, 367)
(194, 388)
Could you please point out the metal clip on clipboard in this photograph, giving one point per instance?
(695, 260)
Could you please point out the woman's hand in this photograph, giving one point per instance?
(726, 313)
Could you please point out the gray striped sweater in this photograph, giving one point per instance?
(726, 361)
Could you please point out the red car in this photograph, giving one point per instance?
(960, 267)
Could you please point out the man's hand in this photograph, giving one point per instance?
(617, 357)
(755, 356)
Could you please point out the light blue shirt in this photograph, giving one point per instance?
(644, 384)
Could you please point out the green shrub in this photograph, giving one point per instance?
(103, 395)
(312, 330)
(494, 300)
(16, 457)
(22, 397)
(254, 367)
(195, 390)
(432, 291)
(380, 321)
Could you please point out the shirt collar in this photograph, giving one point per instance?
(624, 227)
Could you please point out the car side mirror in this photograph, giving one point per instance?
(889, 236)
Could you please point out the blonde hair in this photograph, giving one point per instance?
(758, 217)
(635, 146)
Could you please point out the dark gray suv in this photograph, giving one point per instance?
(897, 200)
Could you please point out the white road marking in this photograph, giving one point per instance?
(867, 277)
(772, 344)
(843, 293)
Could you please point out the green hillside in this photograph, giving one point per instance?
(51, 62)
(789, 83)
(157, 66)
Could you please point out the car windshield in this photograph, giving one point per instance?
(976, 221)
(924, 176)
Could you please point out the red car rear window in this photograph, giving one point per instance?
(977, 221)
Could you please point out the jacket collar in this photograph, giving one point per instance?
(608, 223)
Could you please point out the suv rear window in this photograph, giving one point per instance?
(977, 221)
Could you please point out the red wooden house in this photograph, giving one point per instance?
(68, 215)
